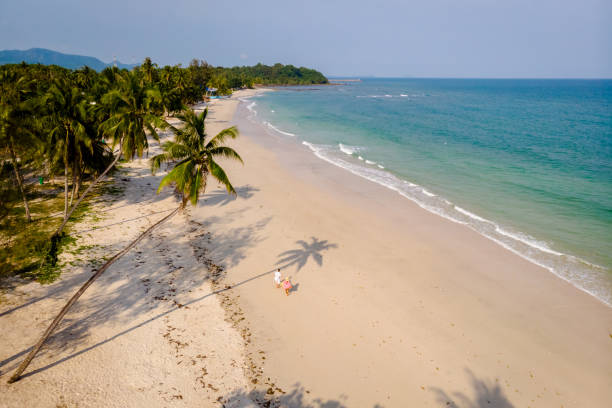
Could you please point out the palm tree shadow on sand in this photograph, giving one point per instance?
(297, 397)
(486, 394)
(306, 250)
(219, 197)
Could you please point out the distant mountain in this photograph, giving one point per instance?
(49, 57)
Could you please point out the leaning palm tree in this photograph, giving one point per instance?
(196, 161)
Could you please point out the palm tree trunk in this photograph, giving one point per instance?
(65, 190)
(74, 176)
(24, 364)
(79, 180)
(66, 177)
(19, 180)
(93, 183)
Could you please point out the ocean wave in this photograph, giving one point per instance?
(421, 95)
(375, 96)
(574, 270)
(346, 149)
(527, 240)
(271, 126)
(466, 212)
(251, 108)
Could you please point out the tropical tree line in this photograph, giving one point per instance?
(193, 80)
(79, 124)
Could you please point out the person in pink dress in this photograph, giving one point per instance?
(287, 286)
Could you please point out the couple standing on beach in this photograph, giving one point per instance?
(285, 283)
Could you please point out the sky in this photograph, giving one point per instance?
(384, 38)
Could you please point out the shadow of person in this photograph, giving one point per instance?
(486, 394)
(306, 250)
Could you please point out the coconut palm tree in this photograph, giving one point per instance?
(149, 71)
(68, 109)
(195, 157)
(196, 162)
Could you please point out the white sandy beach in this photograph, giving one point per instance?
(392, 305)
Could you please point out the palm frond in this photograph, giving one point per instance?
(196, 186)
(226, 152)
(231, 132)
(168, 179)
(218, 173)
(157, 160)
(172, 151)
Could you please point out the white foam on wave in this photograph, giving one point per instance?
(251, 108)
(391, 96)
(527, 240)
(348, 149)
(370, 162)
(375, 96)
(466, 212)
(360, 158)
(271, 126)
(427, 193)
(377, 176)
(380, 166)
(572, 269)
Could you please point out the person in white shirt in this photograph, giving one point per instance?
(277, 278)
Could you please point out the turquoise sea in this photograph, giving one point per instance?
(527, 163)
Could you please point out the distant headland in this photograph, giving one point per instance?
(49, 57)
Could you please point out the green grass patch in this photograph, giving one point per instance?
(24, 246)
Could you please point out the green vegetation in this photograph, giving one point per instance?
(276, 74)
(24, 245)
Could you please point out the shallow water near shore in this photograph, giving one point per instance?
(527, 163)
